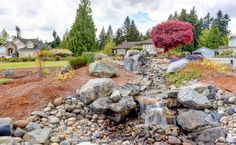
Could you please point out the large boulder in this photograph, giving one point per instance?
(132, 53)
(38, 136)
(6, 125)
(101, 70)
(134, 63)
(191, 99)
(191, 119)
(174, 66)
(211, 134)
(114, 111)
(94, 89)
(129, 89)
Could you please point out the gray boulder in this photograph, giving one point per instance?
(134, 63)
(38, 136)
(114, 111)
(191, 119)
(129, 89)
(101, 70)
(211, 134)
(174, 66)
(115, 96)
(6, 126)
(94, 89)
(192, 99)
(132, 53)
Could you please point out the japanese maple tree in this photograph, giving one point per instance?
(171, 34)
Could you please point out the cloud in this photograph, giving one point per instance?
(39, 18)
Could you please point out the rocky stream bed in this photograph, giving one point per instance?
(143, 112)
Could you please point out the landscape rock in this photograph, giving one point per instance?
(191, 119)
(115, 96)
(32, 126)
(21, 123)
(134, 63)
(65, 142)
(53, 119)
(210, 135)
(58, 101)
(114, 111)
(101, 70)
(132, 53)
(19, 132)
(7, 140)
(6, 126)
(174, 66)
(129, 89)
(174, 140)
(232, 100)
(38, 136)
(94, 89)
(192, 99)
(8, 73)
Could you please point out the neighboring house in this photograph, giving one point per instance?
(125, 46)
(232, 41)
(2, 51)
(20, 47)
(206, 52)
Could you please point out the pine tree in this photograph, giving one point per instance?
(56, 40)
(109, 34)
(126, 28)
(18, 31)
(64, 40)
(82, 37)
(4, 36)
(222, 21)
(102, 38)
(134, 34)
(207, 21)
(119, 38)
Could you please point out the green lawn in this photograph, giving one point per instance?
(15, 65)
(5, 80)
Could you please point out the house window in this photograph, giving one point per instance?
(30, 45)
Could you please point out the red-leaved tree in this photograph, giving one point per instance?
(171, 34)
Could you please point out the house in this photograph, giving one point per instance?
(125, 46)
(20, 47)
(206, 52)
(232, 41)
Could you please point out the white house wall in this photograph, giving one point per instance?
(232, 42)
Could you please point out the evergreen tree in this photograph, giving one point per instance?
(102, 38)
(119, 37)
(4, 36)
(82, 37)
(109, 44)
(211, 37)
(126, 28)
(207, 21)
(134, 34)
(64, 40)
(56, 39)
(222, 21)
(109, 34)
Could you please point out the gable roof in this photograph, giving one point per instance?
(38, 44)
(148, 41)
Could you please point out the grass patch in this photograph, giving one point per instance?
(5, 80)
(16, 65)
(196, 69)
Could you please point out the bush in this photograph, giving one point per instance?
(57, 58)
(61, 52)
(24, 59)
(140, 49)
(81, 61)
(196, 69)
(174, 53)
(226, 53)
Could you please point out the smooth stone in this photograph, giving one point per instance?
(32, 126)
(53, 120)
(19, 132)
(21, 123)
(58, 101)
(174, 140)
(6, 140)
(230, 111)
(38, 136)
(6, 126)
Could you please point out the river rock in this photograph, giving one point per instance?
(173, 140)
(191, 119)
(94, 89)
(32, 126)
(21, 123)
(174, 66)
(58, 101)
(6, 126)
(53, 119)
(7, 140)
(114, 111)
(129, 89)
(191, 99)
(101, 70)
(38, 136)
(210, 135)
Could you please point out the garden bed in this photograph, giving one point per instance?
(31, 92)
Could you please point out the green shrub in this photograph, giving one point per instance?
(81, 61)
(140, 49)
(31, 58)
(57, 58)
(24, 59)
(61, 52)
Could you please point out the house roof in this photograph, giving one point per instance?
(203, 49)
(38, 44)
(148, 41)
(126, 45)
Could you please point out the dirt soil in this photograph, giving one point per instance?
(29, 92)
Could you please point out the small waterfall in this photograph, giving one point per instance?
(155, 112)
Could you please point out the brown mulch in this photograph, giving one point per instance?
(24, 95)
(225, 82)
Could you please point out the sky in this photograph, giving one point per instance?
(38, 18)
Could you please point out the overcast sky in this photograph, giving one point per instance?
(38, 18)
